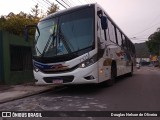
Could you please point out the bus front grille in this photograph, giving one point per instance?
(64, 79)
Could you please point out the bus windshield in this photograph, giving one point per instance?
(65, 34)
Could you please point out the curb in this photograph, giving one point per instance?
(22, 94)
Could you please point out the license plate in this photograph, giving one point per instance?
(57, 81)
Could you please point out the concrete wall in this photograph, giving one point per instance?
(1, 59)
(8, 76)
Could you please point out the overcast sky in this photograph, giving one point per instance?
(137, 18)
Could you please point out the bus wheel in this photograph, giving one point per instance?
(111, 81)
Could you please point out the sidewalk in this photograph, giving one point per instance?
(13, 92)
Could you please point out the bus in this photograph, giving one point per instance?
(80, 45)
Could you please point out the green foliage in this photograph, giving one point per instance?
(53, 8)
(15, 23)
(154, 43)
(141, 50)
(35, 11)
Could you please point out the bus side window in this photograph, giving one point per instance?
(127, 44)
(107, 30)
(100, 37)
(131, 48)
(111, 32)
(100, 31)
(123, 41)
(119, 37)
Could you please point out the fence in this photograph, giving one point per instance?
(20, 58)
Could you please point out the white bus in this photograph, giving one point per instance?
(81, 45)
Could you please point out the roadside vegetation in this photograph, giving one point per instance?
(153, 43)
(15, 23)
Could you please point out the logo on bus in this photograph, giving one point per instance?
(46, 67)
(119, 54)
(59, 67)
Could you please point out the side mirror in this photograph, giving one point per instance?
(27, 27)
(104, 22)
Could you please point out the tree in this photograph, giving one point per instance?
(2, 20)
(15, 23)
(142, 50)
(35, 11)
(154, 42)
(53, 8)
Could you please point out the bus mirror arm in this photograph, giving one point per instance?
(26, 29)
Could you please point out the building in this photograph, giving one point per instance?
(15, 59)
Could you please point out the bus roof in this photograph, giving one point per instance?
(66, 11)
(61, 12)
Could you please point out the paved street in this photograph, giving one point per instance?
(137, 93)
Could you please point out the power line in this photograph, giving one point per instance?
(93, 1)
(154, 19)
(89, 1)
(80, 2)
(61, 4)
(146, 29)
(44, 5)
(73, 2)
(40, 4)
(86, 1)
(142, 36)
(65, 3)
(48, 2)
(70, 3)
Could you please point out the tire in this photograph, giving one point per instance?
(111, 81)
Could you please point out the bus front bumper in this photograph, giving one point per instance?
(78, 76)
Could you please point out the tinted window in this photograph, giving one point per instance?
(66, 34)
(77, 29)
(100, 31)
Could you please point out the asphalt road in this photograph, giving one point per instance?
(141, 92)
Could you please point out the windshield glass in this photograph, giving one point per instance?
(47, 29)
(66, 34)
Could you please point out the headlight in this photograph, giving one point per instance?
(35, 69)
(88, 62)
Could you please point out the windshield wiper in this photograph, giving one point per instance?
(53, 35)
(65, 42)
(36, 40)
